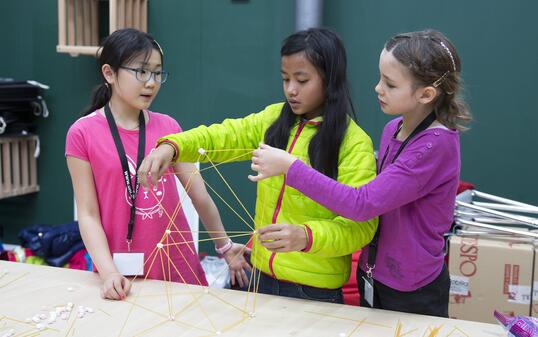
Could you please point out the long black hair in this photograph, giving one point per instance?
(326, 52)
(118, 49)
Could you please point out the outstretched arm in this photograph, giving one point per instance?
(398, 184)
(231, 140)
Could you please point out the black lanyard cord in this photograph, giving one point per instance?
(132, 191)
(372, 247)
(426, 122)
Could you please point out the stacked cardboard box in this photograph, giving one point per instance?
(534, 304)
(488, 274)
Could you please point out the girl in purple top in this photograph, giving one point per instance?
(418, 173)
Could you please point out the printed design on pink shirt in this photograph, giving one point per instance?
(149, 204)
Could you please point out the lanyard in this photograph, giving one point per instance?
(125, 165)
(372, 247)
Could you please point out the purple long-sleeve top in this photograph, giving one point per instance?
(414, 197)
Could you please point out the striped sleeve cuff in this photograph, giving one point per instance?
(309, 238)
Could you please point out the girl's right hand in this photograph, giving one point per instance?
(155, 164)
(270, 161)
(115, 287)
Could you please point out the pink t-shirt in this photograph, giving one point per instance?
(90, 139)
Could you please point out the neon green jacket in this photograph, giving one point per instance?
(326, 262)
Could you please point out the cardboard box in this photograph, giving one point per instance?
(534, 306)
(488, 274)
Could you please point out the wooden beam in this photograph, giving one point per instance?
(78, 50)
(61, 22)
(113, 16)
(144, 15)
(2, 168)
(71, 22)
(87, 22)
(94, 22)
(136, 14)
(128, 13)
(25, 164)
(121, 13)
(6, 154)
(79, 23)
(16, 165)
(33, 161)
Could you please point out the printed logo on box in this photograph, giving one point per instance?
(459, 285)
(469, 256)
(519, 294)
(511, 276)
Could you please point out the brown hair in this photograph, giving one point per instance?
(432, 60)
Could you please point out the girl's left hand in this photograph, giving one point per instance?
(235, 258)
(269, 161)
(283, 237)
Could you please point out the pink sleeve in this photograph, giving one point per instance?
(174, 125)
(75, 143)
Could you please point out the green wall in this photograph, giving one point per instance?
(224, 59)
(496, 41)
(28, 43)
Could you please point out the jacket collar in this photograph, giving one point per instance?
(314, 121)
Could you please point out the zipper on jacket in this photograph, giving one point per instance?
(281, 195)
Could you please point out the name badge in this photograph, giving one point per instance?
(368, 291)
(129, 264)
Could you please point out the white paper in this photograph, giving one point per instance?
(129, 264)
(519, 294)
(459, 285)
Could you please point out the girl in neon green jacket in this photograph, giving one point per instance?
(314, 125)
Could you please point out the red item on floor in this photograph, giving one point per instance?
(78, 261)
(464, 186)
(351, 289)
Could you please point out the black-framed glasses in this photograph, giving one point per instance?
(144, 75)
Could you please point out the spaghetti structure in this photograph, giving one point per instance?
(191, 309)
(198, 293)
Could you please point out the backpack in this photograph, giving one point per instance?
(54, 243)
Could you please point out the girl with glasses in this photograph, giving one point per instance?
(127, 231)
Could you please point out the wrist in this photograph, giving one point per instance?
(288, 163)
(225, 248)
(106, 275)
(173, 146)
(309, 238)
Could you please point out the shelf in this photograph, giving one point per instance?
(79, 22)
(18, 165)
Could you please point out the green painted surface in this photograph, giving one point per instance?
(224, 59)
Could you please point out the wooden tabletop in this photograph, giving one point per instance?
(156, 308)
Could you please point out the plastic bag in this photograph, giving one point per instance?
(216, 271)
